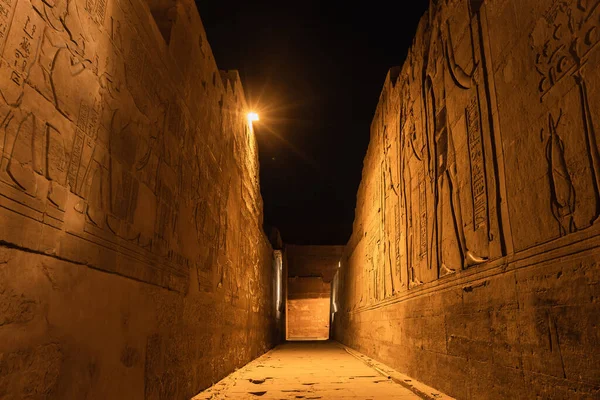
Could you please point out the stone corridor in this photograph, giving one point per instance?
(134, 262)
(317, 370)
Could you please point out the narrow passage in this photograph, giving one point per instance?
(314, 370)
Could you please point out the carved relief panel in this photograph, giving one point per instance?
(449, 201)
(461, 136)
(101, 162)
(565, 44)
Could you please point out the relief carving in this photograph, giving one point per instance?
(414, 153)
(21, 164)
(449, 213)
(563, 41)
(387, 184)
(472, 245)
(7, 8)
(56, 162)
(450, 199)
(423, 239)
(461, 78)
(22, 33)
(478, 178)
(101, 141)
(563, 199)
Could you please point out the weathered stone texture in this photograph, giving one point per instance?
(308, 309)
(320, 261)
(133, 263)
(310, 273)
(474, 261)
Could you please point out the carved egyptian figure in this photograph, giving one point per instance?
(391, 275)
(414, 160)
(405, 199)
(445, 192)
(452, 248)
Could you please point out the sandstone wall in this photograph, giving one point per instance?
(474, 261)
(310, 274)
(313, 260)
(132, 260)
(308, 309)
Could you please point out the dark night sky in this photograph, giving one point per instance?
(314, 71)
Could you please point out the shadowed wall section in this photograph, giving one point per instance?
(133, 263)
(310, 274)
(317, 261)
(308, 309)
(474, 261)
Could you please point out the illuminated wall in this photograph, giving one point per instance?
(132, 259)
(310, 273)
(473, 265)
(308, 309)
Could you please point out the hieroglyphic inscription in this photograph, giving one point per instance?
(143, 76)
(97, 9)
(82, 118)
(422, 215)
(55, 161)
(101, 11)
(87, 120)
(564, 52)
(6, 15)
(478, 185)
(86, 126)
(21, 48)
(92, 118)
(75, 159)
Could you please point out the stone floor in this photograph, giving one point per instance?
(317, 370)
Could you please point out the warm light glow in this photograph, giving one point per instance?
(253, 117)
(334, 291)
(340, 264)
(278, 277)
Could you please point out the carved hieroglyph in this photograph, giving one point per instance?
(123, 149)
(491, 132)
(115, 158)
(446, 130)
(565, 42)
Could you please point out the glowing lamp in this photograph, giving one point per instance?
(252, 117)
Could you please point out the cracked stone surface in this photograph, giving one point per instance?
(308, 370)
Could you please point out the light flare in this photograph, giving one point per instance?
(253, 117)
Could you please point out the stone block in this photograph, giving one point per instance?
(469, 336)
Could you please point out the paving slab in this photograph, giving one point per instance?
(317, 370)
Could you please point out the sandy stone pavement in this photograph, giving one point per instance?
(316, 370)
